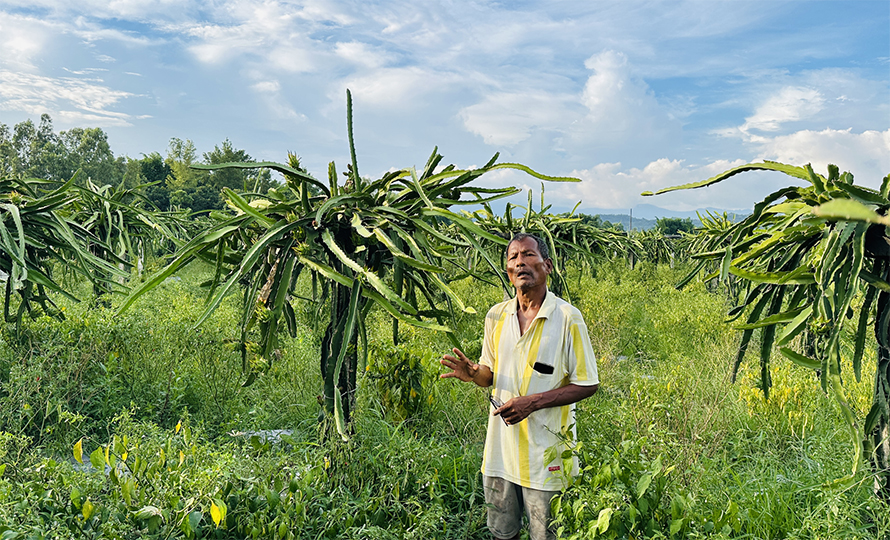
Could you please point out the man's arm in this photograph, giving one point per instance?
(465, 370)
(517, 409)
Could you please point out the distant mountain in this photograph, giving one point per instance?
(645, 216)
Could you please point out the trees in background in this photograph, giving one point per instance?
(30, 151)
(672, 226)
(37, 151)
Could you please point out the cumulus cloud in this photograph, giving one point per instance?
(866, 154)
(74, 100)
(791, 104)
(614, 109)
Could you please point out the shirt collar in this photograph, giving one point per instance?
(544, 312)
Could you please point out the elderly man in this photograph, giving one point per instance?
(537, 358)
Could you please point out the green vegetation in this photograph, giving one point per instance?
(813, 258)
(29, 151)
(710, 459)
(126, 418)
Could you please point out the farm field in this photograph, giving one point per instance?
(172, 446)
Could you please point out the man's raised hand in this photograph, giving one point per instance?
(460, 365)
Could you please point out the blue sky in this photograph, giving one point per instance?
(629, 96)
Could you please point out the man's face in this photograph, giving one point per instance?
(525, 266)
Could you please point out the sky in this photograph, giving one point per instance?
(626, 95)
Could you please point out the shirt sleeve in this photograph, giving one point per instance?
(488, 352)
(582, 362)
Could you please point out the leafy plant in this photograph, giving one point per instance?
(808, 253)
(402, 376)
(626, 495)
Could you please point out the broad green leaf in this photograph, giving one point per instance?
(128, 490)
(643, 485)
(602, 521)
(97, 459)
(676, 525)
(88, 509)
(78, 451)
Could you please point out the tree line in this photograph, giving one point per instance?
(169, 182)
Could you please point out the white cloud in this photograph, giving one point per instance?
(21, 40)
(402, 87)
(619, 104)
(615, 109)
(270, 93)
(361, 54)
(34, 94)
(505, 119)
(608, 185)
(866, 155)
(791, 104)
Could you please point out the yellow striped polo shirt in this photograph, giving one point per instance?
(557, 337)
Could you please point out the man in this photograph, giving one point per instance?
(537, 358)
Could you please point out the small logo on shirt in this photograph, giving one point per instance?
(552, 469)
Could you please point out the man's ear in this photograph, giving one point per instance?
(549, 265)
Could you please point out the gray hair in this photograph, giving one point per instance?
(543, 248)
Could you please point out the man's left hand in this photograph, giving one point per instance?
(516, 410)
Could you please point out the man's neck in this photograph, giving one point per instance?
(528, 303)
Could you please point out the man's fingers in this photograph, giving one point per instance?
(460, 354)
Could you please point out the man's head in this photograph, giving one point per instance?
(528, 262)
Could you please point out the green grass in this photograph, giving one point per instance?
(731, 464)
